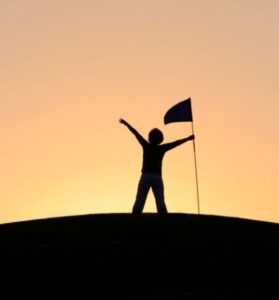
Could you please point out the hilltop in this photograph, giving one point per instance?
(176, 256)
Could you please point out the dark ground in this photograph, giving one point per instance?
(117, 256)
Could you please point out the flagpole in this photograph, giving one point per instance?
(182, 112)
(196, 170)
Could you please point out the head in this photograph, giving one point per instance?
(156, 136)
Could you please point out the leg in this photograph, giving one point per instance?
(158, 191)
(143, 188)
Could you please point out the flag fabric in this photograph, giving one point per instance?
(181, 112)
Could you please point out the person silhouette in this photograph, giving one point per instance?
(151, 177)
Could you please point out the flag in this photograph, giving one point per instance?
(181, 112)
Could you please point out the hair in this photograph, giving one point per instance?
(156, 136)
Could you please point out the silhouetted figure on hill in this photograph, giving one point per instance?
(151, 177)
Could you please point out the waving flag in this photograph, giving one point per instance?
(181, 112)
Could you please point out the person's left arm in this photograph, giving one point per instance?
(169, 146)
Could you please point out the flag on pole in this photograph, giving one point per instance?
(181, 112)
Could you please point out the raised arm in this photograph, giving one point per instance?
(133, 130)
(174, 144)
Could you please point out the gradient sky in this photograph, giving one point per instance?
(71, 68)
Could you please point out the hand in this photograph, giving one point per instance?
(122, 121)
(191, 137)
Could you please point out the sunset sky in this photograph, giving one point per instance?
(71, 68)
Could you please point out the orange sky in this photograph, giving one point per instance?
(71, 68)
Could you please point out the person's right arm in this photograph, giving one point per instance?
(134, 131)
